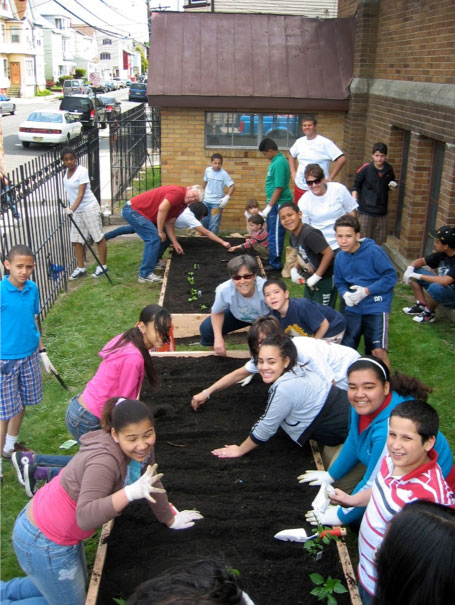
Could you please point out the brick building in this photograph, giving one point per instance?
(403, 93)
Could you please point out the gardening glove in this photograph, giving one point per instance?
(47, 365)
(266, 211)
(359, 294)
(185, 519)
(246, 380)
(410, 269)
(68, 211)
(393, 185)
(322, 500)
(347, 297)
(315, 477)
(313, 280)
(295, 276)
(330, 517)
(224, 201)
(144, 485)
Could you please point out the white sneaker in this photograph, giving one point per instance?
(161, 264)
(99, 271)
(150, 279)
(77, 273)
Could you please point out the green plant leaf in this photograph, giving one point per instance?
(316, 578)
(339, 588)
(331, 600)
(119, 601)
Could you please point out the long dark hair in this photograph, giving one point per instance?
(267, 325)
(416, 562)
(119, 412)
(162, 320)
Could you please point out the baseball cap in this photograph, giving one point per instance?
(445, 234)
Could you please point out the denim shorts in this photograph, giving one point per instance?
(444, 295)
(79, 420)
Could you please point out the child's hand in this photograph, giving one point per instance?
(233, 248)
(228, 451)
(340, 497)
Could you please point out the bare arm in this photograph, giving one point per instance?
(337, 166)
(231, 190)
(223, 383)
(359, 499)
(163, 211)
(292, 166)
(326, 260)
(235, 451)
(169, 227)
(219, 345)
(203, 231)
(275, 196)
(322, 330)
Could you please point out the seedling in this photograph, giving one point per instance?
(203, 307)
(194, 295)
(316, 546)
(195, 266)
(326, 587)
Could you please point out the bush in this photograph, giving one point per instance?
(42, 93)
(50, 83)
(80, 73)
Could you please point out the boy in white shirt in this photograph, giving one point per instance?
(216, 179)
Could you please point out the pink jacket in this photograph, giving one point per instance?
(120, 374)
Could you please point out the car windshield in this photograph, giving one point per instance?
(138, 86)
(39, 116)
(107, 100)
(75, 103)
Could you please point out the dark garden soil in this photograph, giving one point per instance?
(244, 501)
(205, 263)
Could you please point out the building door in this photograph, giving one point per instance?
(433, 201)
(15, 74)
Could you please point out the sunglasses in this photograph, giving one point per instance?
(315, 182)
(244, 276)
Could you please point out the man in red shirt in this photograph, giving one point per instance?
(150, 215)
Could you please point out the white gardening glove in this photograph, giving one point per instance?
(410, 269)
(315, 477)
(359, 294)
(185, 519)
(330, 517)
(68, 211)
(313, 280)
(47, 365)
(296, 277)
(322, 500)
(246, 380)
(393, 185)
(144, 485)
(348, 299)
(224, 201)
(266, 211)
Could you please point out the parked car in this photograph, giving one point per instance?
(109, 86)
(272, 125)
(121, 82)
(49, 127)
(98, 88)
(6, 106)
(128, 83)
(137, 92)
(112, 107)
(71, 87)
(89, 110)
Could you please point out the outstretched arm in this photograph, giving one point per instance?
(235, 451)
(223, 383)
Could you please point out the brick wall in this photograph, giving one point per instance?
(347, 8)
(184, 158)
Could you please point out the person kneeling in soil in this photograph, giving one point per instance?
(96, 485)
(329, 360)
(238, 302)
(302, 403)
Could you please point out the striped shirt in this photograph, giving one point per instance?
(259, 237)
(389, 495)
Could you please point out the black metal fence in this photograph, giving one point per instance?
(135, 143)
(31, 214)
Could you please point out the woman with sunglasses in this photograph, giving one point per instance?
(238, 302)
(324, 202)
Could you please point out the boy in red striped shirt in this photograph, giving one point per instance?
(409, 472)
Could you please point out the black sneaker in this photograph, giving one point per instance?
(416, 309)
(78, 273)
(19, 461)
(29, 479)
(427, 317)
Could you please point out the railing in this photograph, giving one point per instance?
(31, 214)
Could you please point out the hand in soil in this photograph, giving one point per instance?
(219, 348)
(228, 451)
(178, 248)
(185, 519)
(198, 400)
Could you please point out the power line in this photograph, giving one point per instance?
(100, 29)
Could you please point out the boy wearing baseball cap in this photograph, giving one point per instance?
(432, 288)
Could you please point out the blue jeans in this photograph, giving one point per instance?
(212, 220)
(20, 591)
(123, 230)
(147, 231)
(444, 295)
(276, 233)
(365, 596)
(79, 420)
(54, 463)
(230, 324)
(59, 572)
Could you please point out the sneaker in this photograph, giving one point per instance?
(416, 309)
(150, 279)
(161, 264)
(29, 479)
(99, 271)
(20, 460)
(18, 447)
(427, 317)
(77, 273)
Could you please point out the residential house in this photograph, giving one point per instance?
(86, 51)
(116, 55)
(323, 9)
(59, 42)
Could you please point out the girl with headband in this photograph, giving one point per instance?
(373, 394)
(95, 486)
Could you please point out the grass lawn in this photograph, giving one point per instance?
(93, 311)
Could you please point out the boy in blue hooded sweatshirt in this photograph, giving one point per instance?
(365, 278)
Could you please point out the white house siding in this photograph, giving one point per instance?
(323, 9)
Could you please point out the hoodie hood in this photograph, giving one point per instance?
(112, 353)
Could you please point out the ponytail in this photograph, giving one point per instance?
(119, 412)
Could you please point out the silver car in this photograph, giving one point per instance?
(6, 106)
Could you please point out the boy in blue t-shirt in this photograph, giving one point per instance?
(215, 181)
(365, 278)
(21, 345)
(303, 317)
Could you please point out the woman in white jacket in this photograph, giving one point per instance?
(300, 401)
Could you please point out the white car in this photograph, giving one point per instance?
(49, 127)
(6, 105)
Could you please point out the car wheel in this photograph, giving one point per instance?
(13, 111)
(26, 144)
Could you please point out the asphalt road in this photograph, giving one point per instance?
(15, 154)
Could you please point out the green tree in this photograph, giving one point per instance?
(79, 73)
(144, 62)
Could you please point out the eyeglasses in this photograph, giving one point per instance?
(315, 182)
(244, 276)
